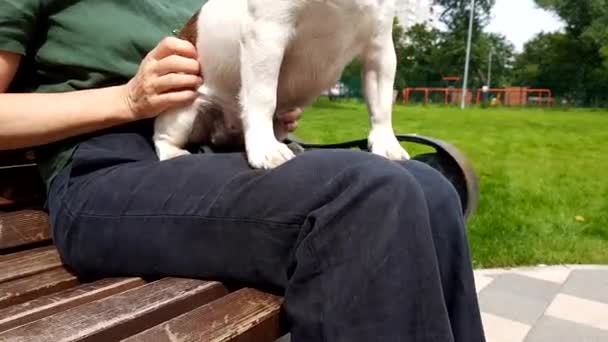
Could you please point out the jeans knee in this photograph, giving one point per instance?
(438, 190)
(363, 177)
(443, 201)
(387, 183)
(373, 205)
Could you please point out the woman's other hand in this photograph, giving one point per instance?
(290, 120)
(167, 77)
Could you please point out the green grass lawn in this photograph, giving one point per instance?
(543, 174)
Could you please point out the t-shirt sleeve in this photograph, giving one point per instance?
(18, 20)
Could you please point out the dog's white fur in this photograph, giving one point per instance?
(262, 57)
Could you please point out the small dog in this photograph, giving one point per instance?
(262, 57)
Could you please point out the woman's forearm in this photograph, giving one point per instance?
(167, 78)
(28, 120)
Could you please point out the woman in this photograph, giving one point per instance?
(362, 248)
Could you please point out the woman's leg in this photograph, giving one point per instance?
(346, 236)
(453, 254)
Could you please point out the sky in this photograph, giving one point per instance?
(520, 20)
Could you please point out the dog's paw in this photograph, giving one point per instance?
(385, 144)
(178, 152)
(166, 151)
(269, 154)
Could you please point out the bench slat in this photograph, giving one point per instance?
(24, 289)
(24, 313)
(121, 315)
(246, 315)
(31, 262)
(16, 255)
(23, 227)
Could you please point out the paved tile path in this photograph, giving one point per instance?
(544, 304)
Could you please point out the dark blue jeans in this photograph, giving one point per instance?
(362, 248)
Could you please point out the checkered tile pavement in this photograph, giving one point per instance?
(544, 304)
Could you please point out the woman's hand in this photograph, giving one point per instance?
(290, 120)
(167, 77)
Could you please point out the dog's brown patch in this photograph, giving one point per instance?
(190, 31)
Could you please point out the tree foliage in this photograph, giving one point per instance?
(574, 64)
(429, 54)
(456, 13)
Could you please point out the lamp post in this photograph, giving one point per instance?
(468, 58)
(490, 67)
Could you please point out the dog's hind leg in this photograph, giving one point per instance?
(379, 68)
(262, 49)
(172, 131)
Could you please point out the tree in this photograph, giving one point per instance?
(547, 62)
(455, 14)
(455, 17)
(418, 58)
(452, 58)
(580, 55)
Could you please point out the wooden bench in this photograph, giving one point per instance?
(42, 300)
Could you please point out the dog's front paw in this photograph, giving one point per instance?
(386, 145)
(166, 151)
(268, 154)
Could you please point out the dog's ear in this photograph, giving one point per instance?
(190, 31)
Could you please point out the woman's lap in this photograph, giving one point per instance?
(117, 192)
(118, 211)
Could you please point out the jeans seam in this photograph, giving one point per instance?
(314, 256)
(73, 215)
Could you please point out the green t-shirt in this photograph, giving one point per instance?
(81, 44)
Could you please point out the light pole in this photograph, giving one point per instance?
(490, 68)
(468, 58)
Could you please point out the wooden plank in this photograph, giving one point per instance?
(23, 227)
(16, 255)
(24, 289)
(30, 262)
(122, 315)
(24, 313)
(246, 315)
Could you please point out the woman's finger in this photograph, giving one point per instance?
(291, 127)
(174, 46)
(172, 82)
(177, 64)
(291, 116)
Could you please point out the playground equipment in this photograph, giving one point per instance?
(513, 96)
(449, 95)
(518, 96)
